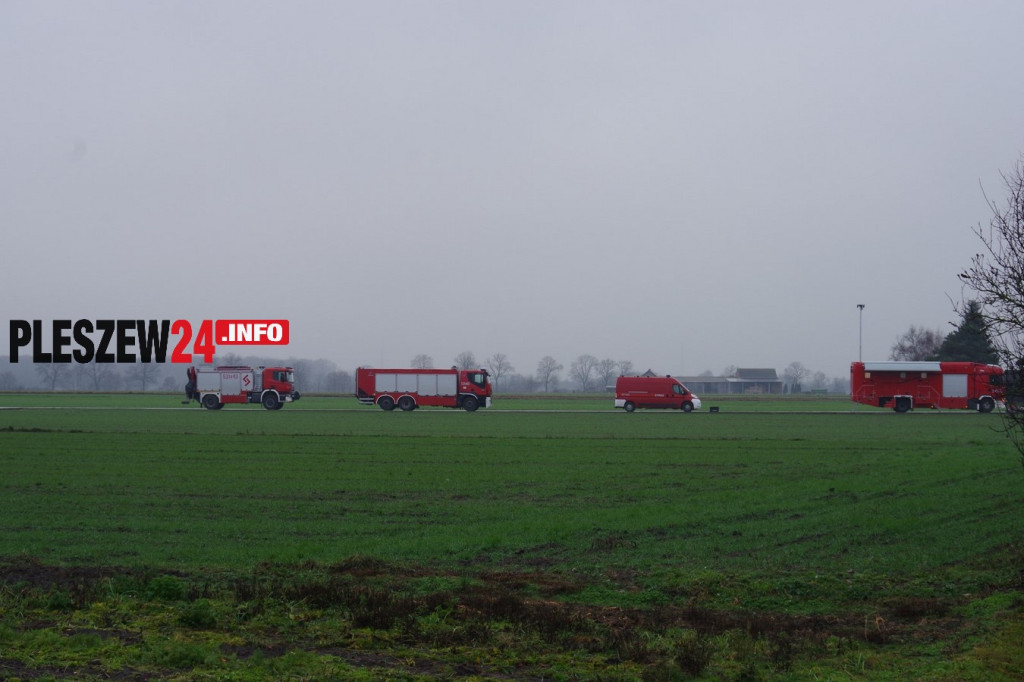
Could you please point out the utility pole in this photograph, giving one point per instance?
(860, 335)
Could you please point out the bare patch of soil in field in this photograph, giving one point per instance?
(409, 630)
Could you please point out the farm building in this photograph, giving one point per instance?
(745, 380)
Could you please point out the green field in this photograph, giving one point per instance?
(547, 538)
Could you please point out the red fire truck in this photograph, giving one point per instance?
(215, 387)
(906, 385)
(410, 388)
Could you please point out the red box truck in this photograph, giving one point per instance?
(906, 385)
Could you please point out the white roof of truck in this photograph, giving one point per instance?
(905, 366)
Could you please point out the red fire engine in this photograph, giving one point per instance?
(215, 387)
(410, 388)
(906, 385)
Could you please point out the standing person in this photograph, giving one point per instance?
(190, 387)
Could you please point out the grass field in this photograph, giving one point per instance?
(547, 538)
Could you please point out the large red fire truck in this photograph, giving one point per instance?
(215, 387)
(906, 385)
(410, 388)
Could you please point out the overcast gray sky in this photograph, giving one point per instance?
(686, 185)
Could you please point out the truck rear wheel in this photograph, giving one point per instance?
(387, 403)
(901, 405)
(211, 401)
(470, 403)
(271, 401)
(406, 403)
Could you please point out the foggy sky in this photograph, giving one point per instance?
(685, 185)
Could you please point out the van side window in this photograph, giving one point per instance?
(677, 389)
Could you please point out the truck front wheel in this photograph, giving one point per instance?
(470, 403)
(986, 405)
(271, 401)
(211, 401)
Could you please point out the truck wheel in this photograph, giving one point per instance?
(470, 403)
(211, 402)
(629, 407)
(687, 407)
(406, 403)
(986, 405)
(901, 405)
(387, 403)
(271, 401)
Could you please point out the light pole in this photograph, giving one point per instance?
(860, 334)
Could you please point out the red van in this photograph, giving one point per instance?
(658, 392)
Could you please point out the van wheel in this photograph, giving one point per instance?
(629, 407)
(687, 407)
(387, 403)
(406, 403)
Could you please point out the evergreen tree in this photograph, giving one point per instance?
(970, 341)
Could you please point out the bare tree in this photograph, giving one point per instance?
(917, 344)
(582, 370)
(625, 367)
(517, 383)
(819, 381)
(338, 381)
(607, 370)
(794, 375)
(143, 375)
(547, 372)
(314, 372)
(422, 361)
(98, 376)
(53, 374)
(498, 366)
(466, 360)
(997, 275)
